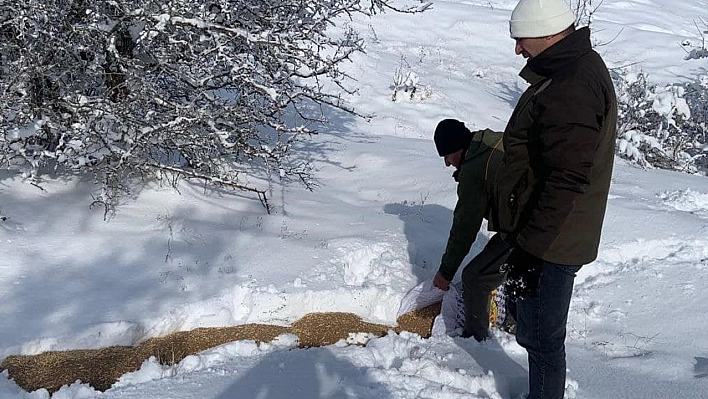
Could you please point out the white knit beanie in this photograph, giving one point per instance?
(540, 18)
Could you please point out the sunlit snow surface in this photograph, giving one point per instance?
(375, 227)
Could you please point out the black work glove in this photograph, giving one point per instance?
(523, 272)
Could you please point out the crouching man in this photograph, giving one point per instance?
(476, 157)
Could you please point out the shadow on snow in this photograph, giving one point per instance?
(313, 373)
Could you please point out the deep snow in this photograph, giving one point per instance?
(375, 227)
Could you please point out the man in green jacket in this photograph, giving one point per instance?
(552, 186)
(476, 157)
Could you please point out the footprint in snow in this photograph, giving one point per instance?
(686, 200)
(701, 368)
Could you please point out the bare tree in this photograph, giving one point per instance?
(585, 11)
(131, 90)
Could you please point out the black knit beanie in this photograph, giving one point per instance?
(451, 135)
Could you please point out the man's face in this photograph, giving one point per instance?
(530, 47)
(454, 159)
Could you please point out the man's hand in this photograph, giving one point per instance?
(524, 271)
(440, 282)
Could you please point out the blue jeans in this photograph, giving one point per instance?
(540, 329)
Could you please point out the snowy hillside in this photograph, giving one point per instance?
(375, 227)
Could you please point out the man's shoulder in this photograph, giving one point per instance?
(483, 142)
(589, 68)
(492, 138)
(587, 73)
(487, 138)
(477, 158)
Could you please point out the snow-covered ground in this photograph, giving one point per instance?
(375, 227)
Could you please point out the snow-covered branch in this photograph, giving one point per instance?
(202, 90)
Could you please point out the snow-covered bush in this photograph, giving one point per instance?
(216, 90)
(663, 127)
(697, 51)
(405, 80)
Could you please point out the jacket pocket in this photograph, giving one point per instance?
(512, 197)
(515, 198)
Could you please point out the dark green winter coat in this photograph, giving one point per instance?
(474, 189)
(551, 189)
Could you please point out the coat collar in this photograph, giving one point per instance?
(557, 57)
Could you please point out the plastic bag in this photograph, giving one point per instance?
(452, 314)
(451, 320)
(420, 296)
